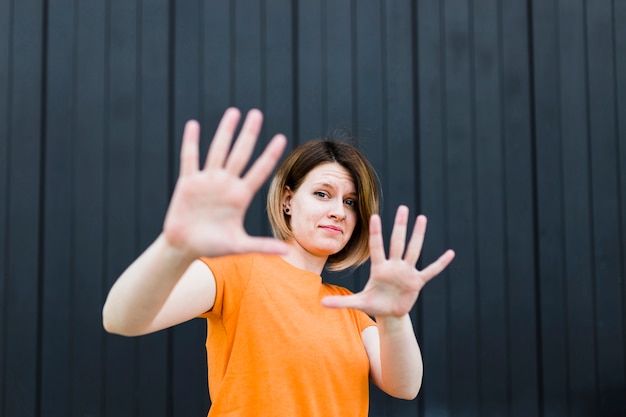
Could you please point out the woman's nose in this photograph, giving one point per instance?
(338, 211)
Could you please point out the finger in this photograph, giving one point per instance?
(263, 166)
(439, 265)
(220, 145)
(342, 301)
(244, 146)
(398, 234)
(377, 246)
(414, 248)
(189, 148)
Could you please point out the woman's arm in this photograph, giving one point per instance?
(389, 295)
(160, 289)
(395, 357)
(166, 285)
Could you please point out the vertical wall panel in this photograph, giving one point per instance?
(56, 394)
(278, 92)
(217, 81)
(549, 209)
(6, 37)
(490, 221)
(337, 65)
(278, 70)
(369, 80)
(576, 210)
(459, 137)
(608, 275)
(249, 34)
(520, 276)
(247, 53)
(25, 152)
(88, 203)
(619, 39)
(434, 300)
(188, 25)
(311, 70)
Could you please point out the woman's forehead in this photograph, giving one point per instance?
(330, 173)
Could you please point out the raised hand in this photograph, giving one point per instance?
(394, 283)
(206, 214)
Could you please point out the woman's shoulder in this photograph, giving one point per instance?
(243, 264)
(333, 289)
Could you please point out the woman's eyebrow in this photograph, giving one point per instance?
(330, 185)
(324, 184)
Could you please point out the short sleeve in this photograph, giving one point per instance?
(363, 320)
(231, 274)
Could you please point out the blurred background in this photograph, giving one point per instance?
(503, 121)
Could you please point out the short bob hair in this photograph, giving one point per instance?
(292, 172)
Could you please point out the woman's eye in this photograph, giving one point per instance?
(321, 194)
(351, 203)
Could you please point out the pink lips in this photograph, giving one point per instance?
(333, 229)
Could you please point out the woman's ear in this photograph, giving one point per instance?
(286, 200)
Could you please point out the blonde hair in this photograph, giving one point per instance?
(292, 172)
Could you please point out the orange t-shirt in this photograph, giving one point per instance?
(274, 350)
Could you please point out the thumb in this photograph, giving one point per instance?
(342, 301)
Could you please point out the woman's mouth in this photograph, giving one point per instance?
(332, 229)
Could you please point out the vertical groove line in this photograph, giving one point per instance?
(263, 73)
(505, 214)
(620, 168)
(474, 203)
(295, 50)
(7, 224)
(535, 194)
(419, 310)
(105, 183)
(356, 127)
(73, 173)
(561, 180)
(232, 50)
(445, 191)
(201, 62)
(42, 209)
(324, 61)
(354, 74)
(385, 94)
(171, 97)
(591, 208)
(137, 172)
(416, 107)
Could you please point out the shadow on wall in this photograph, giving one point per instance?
(612, 403)
(609, 403)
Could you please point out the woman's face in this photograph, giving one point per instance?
(323, 211)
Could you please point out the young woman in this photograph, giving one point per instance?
(279, 341)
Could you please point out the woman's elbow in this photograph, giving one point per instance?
(110, 325)
(406, 391)
(408, 394)
(116, 326)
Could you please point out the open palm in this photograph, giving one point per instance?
(395, 282)
(206, 214)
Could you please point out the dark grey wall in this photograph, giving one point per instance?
(503, 121)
